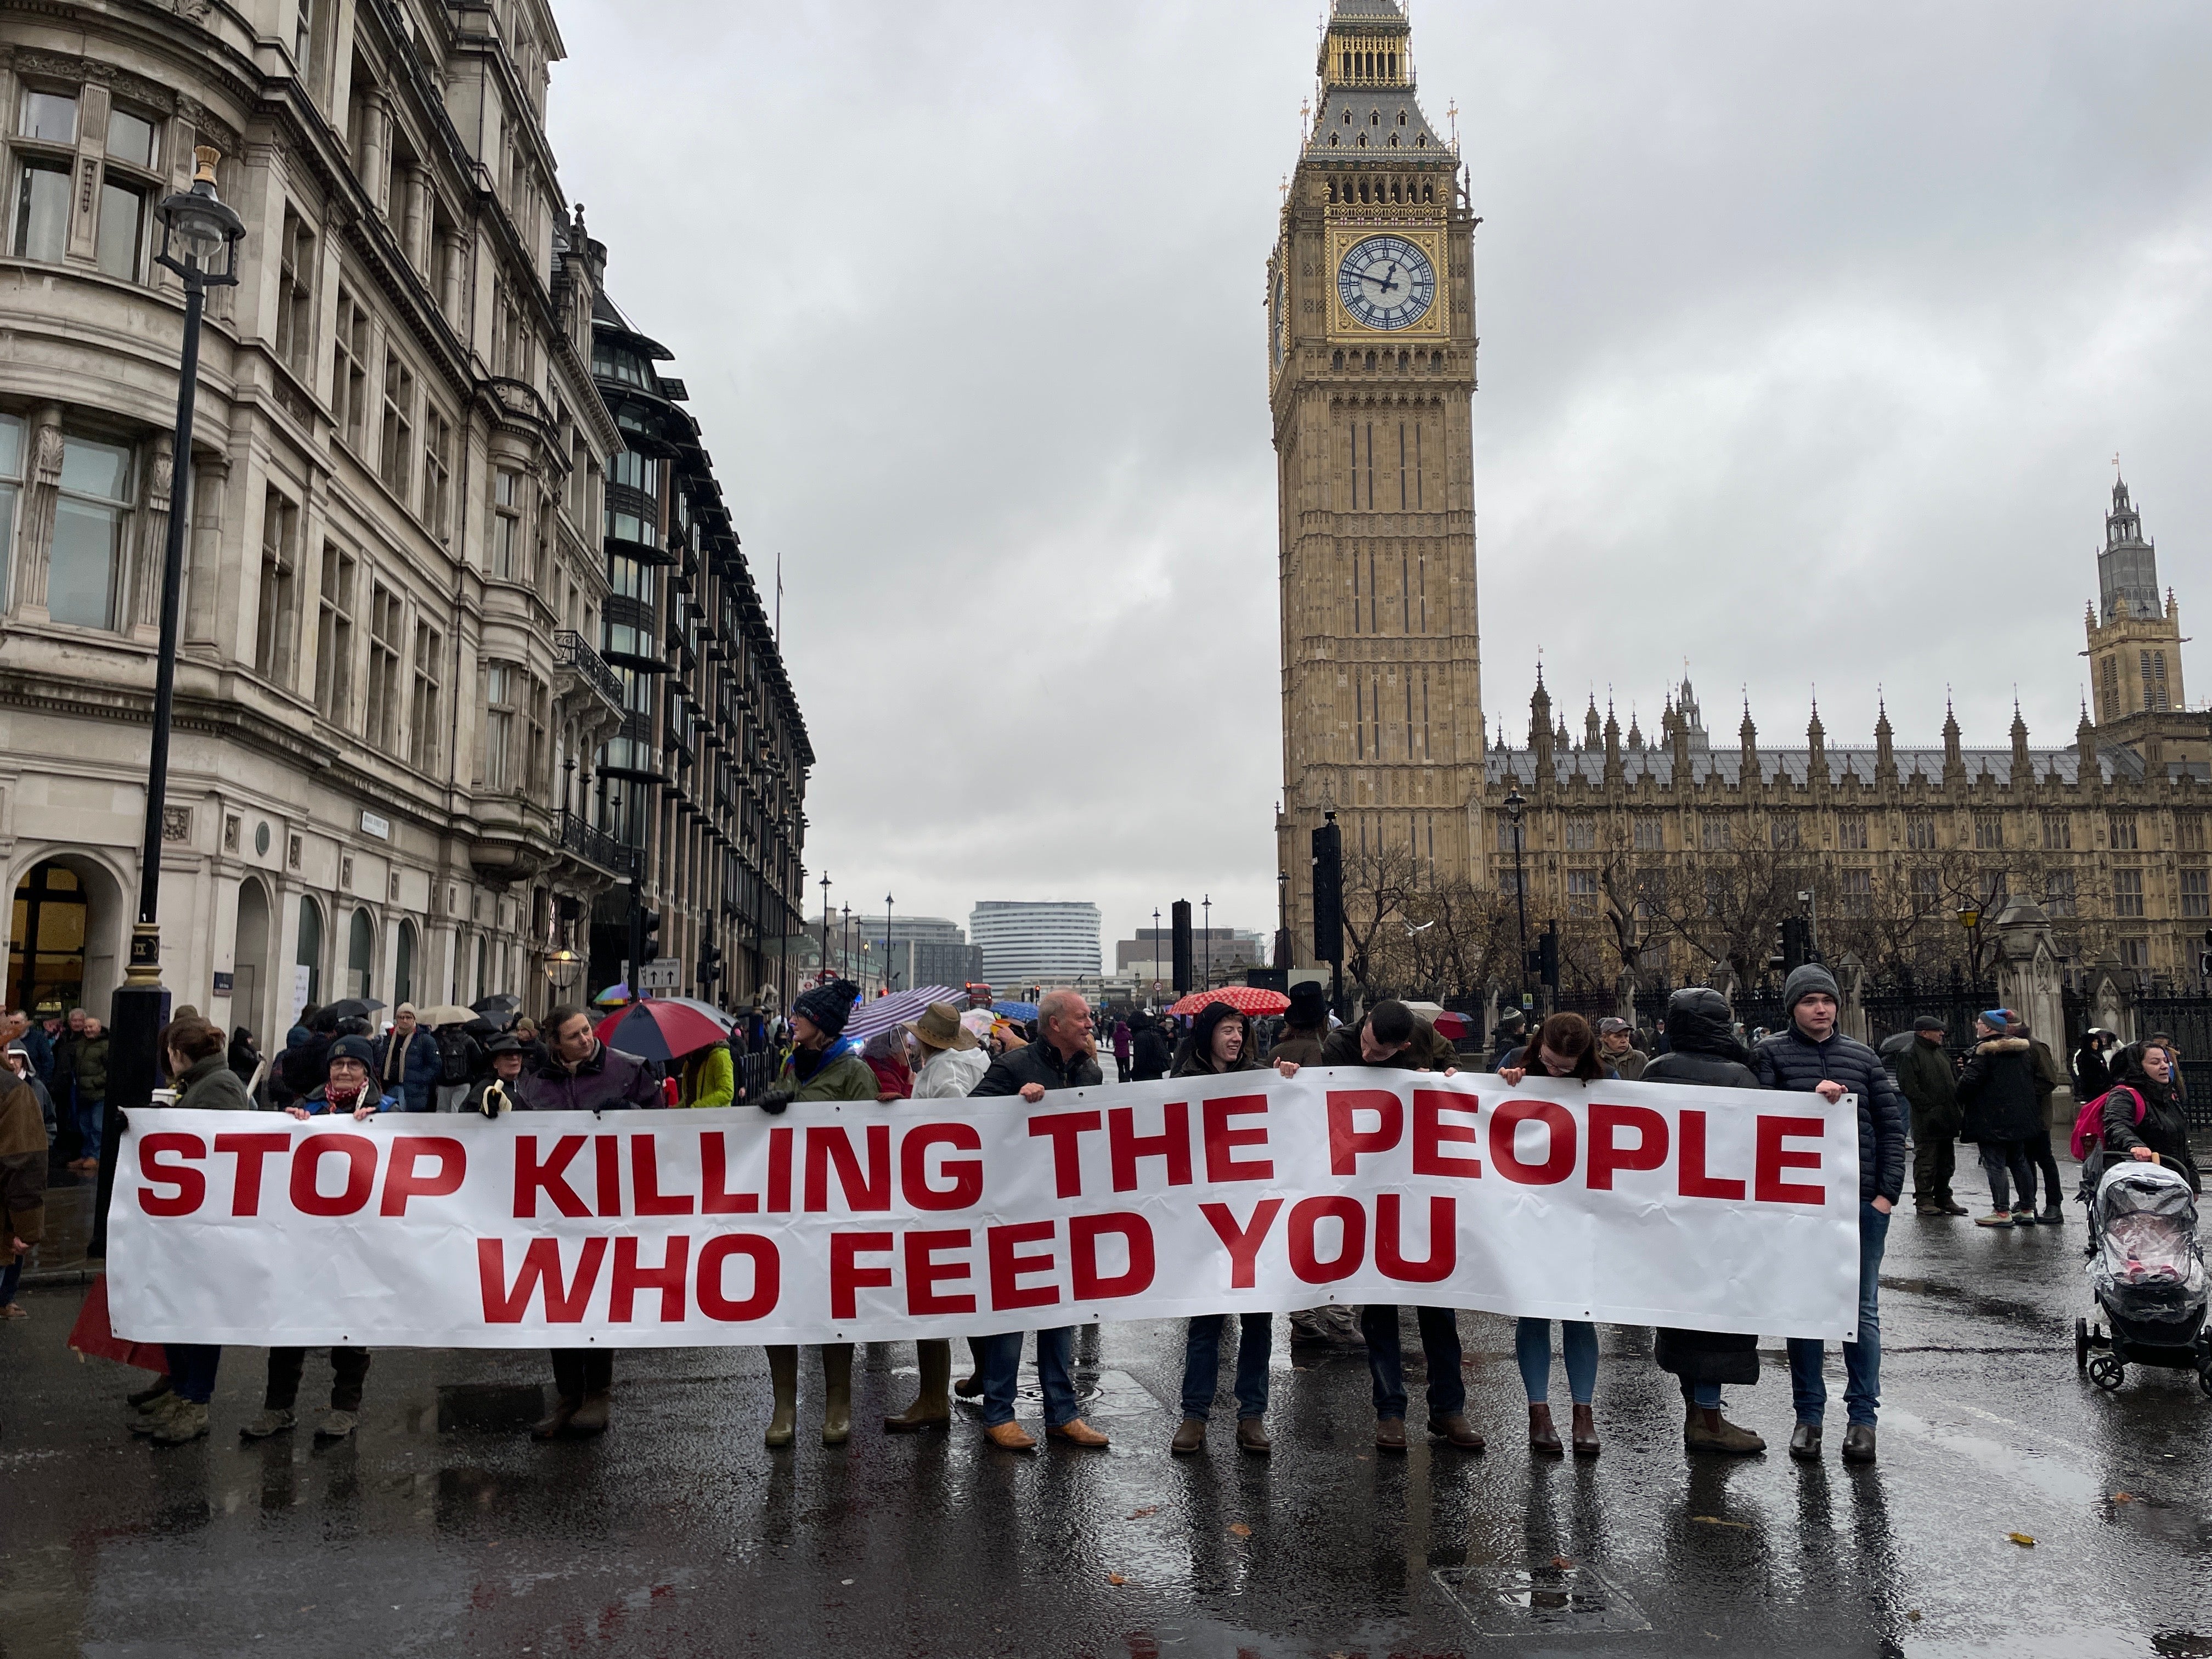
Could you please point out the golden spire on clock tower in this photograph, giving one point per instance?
(1372, 358)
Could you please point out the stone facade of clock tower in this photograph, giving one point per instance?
(1375, 462)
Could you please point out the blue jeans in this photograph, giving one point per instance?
(1706, 1396)
(1002, 1366)
(1201, 1363)
(10, 1276)
(192, 1371)
(1439, 1345)
(1809, 1389)
(88, 1114)
(1532, 1346)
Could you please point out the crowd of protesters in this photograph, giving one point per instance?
(334, 1061)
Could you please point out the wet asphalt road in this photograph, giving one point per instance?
(441, 1528)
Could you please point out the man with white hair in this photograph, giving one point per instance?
(1064, 1056)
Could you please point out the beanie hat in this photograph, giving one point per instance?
(1996, 1019)
(828, 1006)
(351, 1048)
(1810, 980)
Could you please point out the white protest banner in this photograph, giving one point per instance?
(1713, 1209)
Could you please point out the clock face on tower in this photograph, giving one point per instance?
(1387, 283)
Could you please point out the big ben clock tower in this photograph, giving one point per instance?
(1371, 344)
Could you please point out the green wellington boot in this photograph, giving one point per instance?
(932, 1406)
(837, 1393)
(783, 1375)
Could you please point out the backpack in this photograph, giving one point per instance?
(2089, 1127)
(454, 1057)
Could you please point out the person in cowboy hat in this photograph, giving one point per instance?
(954, 1062)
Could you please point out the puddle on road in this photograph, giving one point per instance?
(1098, 1393)
(1544, 1598)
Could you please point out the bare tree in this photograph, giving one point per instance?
(1376, 884)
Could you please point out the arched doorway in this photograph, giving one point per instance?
(45, 946)
(360, 955)
(308, 959)
(403, 965)
(249, 973)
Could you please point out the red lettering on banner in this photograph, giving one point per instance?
(191, 1183)
(1242, 1242)
(1307, 1213)
(402, 1179)
(532, 1177)
(768, 1276)
(828, 1146)
(1695, 1183)
(1606, 1152)
(606, 1155)
(629, 1278)
(1222, 1163)
(846, 1274)
(645, 1180)
(716, 1197)
(1062, 1128)
(541, 1266)
(1009, 1266)
(1172, 1144)
(251, 1150)
(1767, 1185)
(924, 1273)
(359, 1154)
(1084, 1233)
(967, 1173)
(1558, 1162)
(1431, 1134)
(1390, 1259)
(1346, 1141)
(779, 1171)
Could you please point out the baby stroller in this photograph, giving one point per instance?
(2148, 1274)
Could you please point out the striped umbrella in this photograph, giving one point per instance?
(897, 1009)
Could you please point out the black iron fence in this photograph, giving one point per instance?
(2188, 1021)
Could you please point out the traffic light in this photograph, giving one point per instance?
(1547, 958)
(1793, 945)
(649, 925)
(710, 963)
(1179, 911)
(1328, 892)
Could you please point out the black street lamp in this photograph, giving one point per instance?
(1155, 954)
(1206, 904)
(824, 977)
(844, 941)
(1517, 808)
(888, 986)
(199, 242)
(1970, 918)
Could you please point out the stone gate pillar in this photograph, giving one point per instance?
(2028, 980)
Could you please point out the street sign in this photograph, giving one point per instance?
(661, 974)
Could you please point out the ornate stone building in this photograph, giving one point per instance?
(397, 576)
(1371, 346)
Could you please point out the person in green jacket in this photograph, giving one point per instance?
(822, 1065)
(89, 1071)
(709, 1080)
(1929, 1081)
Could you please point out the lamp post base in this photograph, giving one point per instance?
(136, 1016)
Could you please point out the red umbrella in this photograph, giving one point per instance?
(1244, 999)
(664, 1028)
(1450, 1024)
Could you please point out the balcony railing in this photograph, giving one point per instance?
(595, 846)
(573, 651)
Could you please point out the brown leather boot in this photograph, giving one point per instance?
(1076, 1432)
(1252, 1436)
(783, 1378)
(932, 1409)
(1542, 1435)
(1390, 1434)
(549, 1426)
(1585, 1432)
(591, 1416)
(837, 1393)
(1189, 1437)
(1009, 1436)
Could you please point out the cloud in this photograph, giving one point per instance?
(1808, 335)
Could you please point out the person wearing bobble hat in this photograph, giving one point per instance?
(822, 1065)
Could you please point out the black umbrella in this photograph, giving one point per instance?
(354, 1008)
(504, 1003)
(488, 1025)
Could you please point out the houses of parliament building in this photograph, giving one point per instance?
(1672, 853)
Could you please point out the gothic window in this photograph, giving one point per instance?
(1920, 831)
(92, 523)
(2058, 893)
(1393, 188)
(1994, 889)
(1989, 831)
(1363, 144)
(1374, 117)
(1650, 833)
(2189, 832)
(2112, 688)
(1927, 891)
(2135, 953)
(1781, 831)
(2057, 832)
(2122, 838)
(1504, 833)
(1582, 892)
(1718, 834)
(2195, 894)
(1401, 117)
(1582, 833)
(2127, 893)
(1851, 831)
(1857, 895)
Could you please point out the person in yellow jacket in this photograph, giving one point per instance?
(709, 1080)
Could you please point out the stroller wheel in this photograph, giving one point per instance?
(2106, 1372)
(2080, 1344)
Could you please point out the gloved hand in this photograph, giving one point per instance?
(120, 1118)
(773, 1102)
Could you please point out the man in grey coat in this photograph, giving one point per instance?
(1810, 1055)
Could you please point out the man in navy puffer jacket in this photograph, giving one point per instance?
(1810, 1055)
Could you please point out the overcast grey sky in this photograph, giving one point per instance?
(1808, 333)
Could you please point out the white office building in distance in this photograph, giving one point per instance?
(1038, 940)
